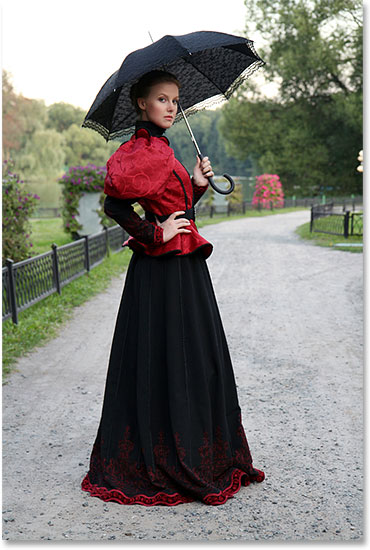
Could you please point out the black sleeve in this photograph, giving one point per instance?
(122, 211)
(198, 191)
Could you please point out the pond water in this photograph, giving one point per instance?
(50, 193)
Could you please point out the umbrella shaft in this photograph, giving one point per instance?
(210, 179)
(191, 133)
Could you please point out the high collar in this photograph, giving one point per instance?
(153, 129)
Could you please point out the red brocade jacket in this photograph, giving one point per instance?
(145, 170)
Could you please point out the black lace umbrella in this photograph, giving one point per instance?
(209, 65)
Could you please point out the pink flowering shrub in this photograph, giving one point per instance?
(17, 207)
(268, 190)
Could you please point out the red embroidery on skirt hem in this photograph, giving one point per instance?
(238, 478)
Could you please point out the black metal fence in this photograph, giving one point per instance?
(27, 282)
(331, 219)
(229, 208)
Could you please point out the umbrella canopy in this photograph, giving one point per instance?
(209, 66)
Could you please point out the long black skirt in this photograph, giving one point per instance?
(171, 429)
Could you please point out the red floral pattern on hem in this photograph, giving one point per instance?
(238, 478)
(222, 467)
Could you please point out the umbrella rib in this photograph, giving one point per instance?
(202, 73)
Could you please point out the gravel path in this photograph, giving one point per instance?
(293, 316)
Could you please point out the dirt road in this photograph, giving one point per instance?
(293, 316)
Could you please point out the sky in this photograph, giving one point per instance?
(65, 51)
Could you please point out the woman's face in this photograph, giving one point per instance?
(160, 106)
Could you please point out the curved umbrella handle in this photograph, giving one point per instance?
(229, 178)
(223, 191)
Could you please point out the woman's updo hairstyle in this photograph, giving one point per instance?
(142, 87)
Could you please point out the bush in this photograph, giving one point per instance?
(235, 199)
(76, 182)
(268, 190)
(18, 205)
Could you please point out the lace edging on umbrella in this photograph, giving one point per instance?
(210, 102)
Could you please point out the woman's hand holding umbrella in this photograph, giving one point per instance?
(202, 171)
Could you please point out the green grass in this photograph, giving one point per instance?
(325, 239)
(46, 231)
(42, 321)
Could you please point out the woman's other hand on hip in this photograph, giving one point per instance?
(173, 226)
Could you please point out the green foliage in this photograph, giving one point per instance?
(76, 182)
(17, 207)
(83, 145)
(311, 131)
(42, 140)
(21, 117)
(313, 45)
(43, 155)
(235, 198)
(205, 128)
(62, 115)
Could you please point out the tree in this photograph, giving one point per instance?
(21, 118)
(43, 155)
(62, 115)
(33, 113)
(313, 45)
(12, 122)
(311, 131)
(211, 143)
(83, 145)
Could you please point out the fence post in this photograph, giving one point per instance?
(211, 211)
(12, 294)
(311, 221)
(56, 268)
(228, 208)
(243, 207)
(346, 224)
(107, 241)
(271, 206)
(87, 255)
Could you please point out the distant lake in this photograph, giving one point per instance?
(50, 193)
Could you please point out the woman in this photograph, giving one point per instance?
(170, 430)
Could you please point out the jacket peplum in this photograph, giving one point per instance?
(144, 170)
